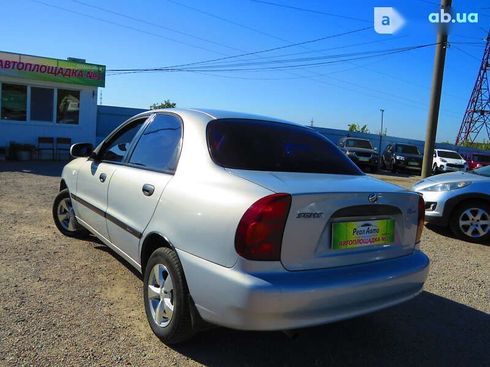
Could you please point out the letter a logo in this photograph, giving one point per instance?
(387, 20)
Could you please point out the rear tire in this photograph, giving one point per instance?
(166, 298)
(393, 167)
(470, 221)
(64, 216)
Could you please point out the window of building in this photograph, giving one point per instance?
(14, 102)
(159, 146)
(42, 104)
(68, 106)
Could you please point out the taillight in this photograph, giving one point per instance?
(421, 219)
(259, 233)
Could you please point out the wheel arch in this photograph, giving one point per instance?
(453, 203)
(152, 241)
(63, 184)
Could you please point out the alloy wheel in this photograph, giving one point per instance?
(474, 222)
(66, 215)
(161, 295)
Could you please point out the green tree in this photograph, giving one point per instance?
(356, 128)
(164, 104)
(485, 145)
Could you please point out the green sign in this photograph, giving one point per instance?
(53, 70)
(346, 235)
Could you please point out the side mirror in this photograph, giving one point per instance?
(81, 150)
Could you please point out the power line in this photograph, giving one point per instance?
(229, 21)
(379, 40)
(311, 11)
(254, 52)
(226, 20)
(229, 67)
(146, 22)
(311, 59)
(467, 53)
(124, 26)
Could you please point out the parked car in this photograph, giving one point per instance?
(361, 152)
(459, 200)
(447, 161)
(477, 160)
(398, 157)
(243, 221)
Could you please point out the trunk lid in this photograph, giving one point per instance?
(320, 200)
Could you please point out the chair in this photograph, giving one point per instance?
(62, 145)
(45, 143)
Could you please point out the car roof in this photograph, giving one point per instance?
(446, 150)
(207, 114)
(353, 138)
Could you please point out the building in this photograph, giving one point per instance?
(46, 97)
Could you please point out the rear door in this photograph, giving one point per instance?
(94, 176)
(137, 186)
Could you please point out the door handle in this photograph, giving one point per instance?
(102, 177)
(148, 189)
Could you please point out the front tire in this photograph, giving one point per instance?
(166, 297)
(471, 221)
(64, 216)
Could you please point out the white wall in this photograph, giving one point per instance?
(27, 132)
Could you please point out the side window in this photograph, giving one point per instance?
(159, 146)
(117, 148)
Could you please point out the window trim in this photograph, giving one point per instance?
(140, 134)
(108, 139)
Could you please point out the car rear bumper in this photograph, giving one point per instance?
(284, 300)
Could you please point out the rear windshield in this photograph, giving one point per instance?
(273, 146)
(446, 154)
(481, 158)
(355, 143)
(407, 149)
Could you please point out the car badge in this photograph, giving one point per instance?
(373, 198)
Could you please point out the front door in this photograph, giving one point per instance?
(95, 175)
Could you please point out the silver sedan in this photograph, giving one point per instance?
(460, 200)
(243, 221)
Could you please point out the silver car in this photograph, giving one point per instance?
(243, 221)
(460, 200)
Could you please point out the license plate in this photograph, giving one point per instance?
(348, 235)
(363, 159)
(413, 164)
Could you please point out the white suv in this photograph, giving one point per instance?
(448, 161)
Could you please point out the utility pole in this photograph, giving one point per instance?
(381, 130)
(380, 134)
(435, 96)
(311, 122)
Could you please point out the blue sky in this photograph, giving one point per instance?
(139, 34)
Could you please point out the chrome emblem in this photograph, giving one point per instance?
(373, 198)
